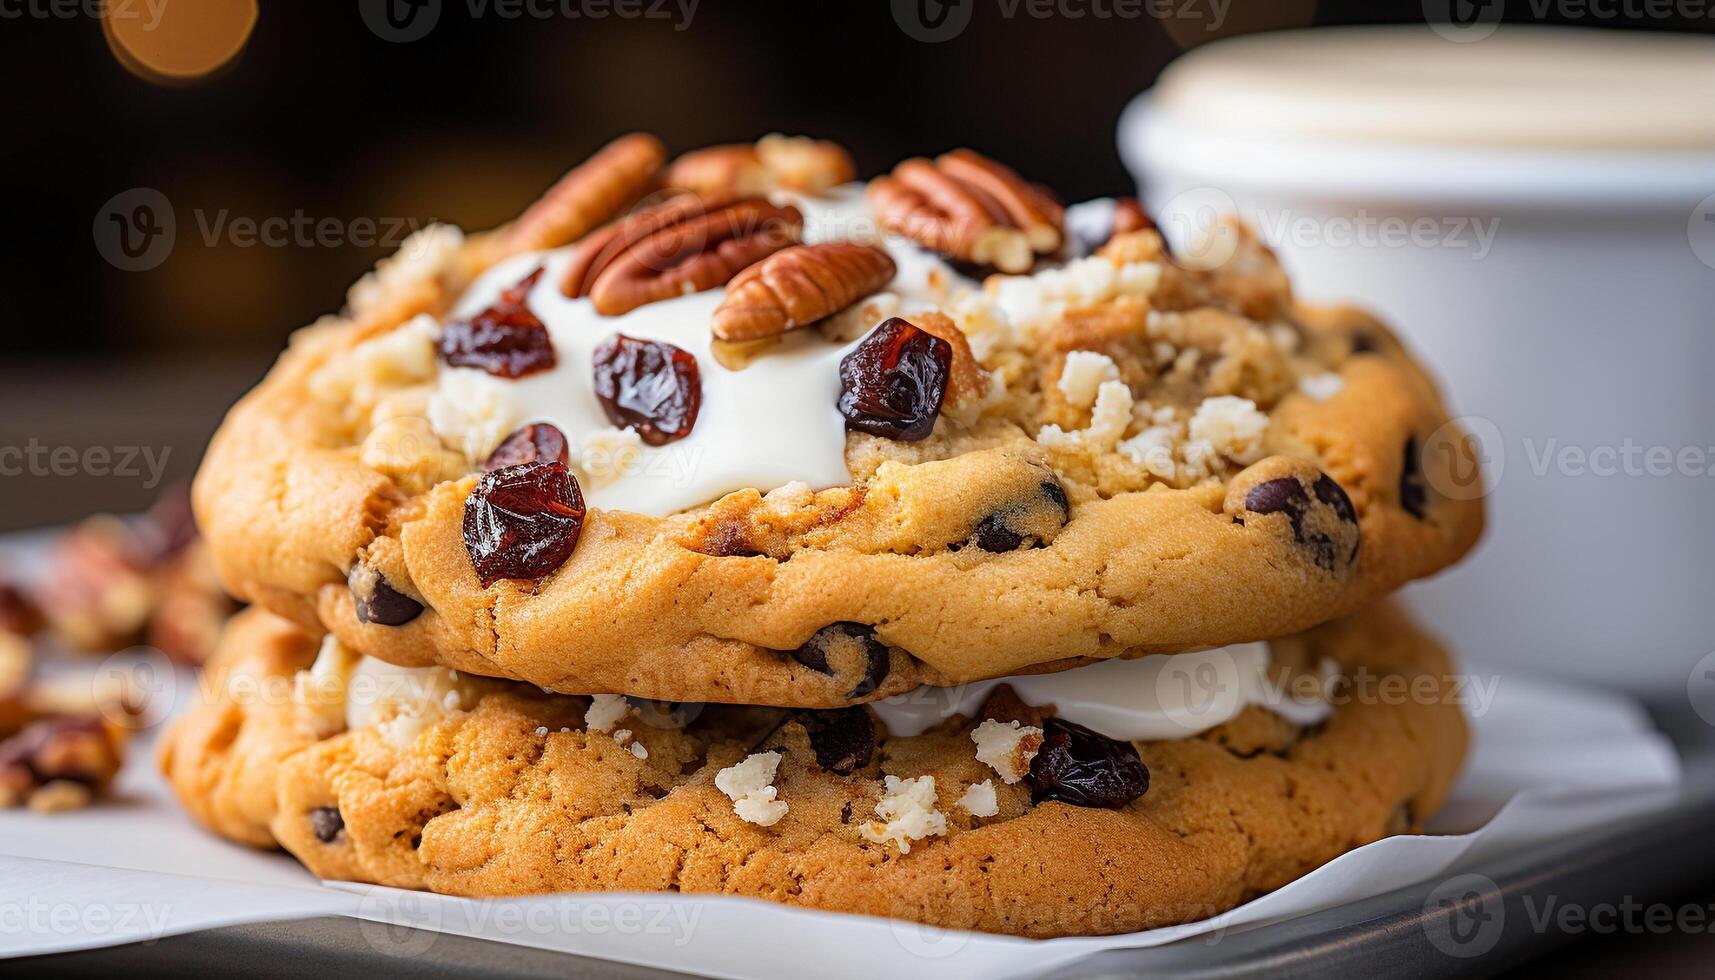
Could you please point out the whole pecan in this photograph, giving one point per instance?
(684, 245)
(797, 286)
(775, 162)
(971, 208)
(616, 177)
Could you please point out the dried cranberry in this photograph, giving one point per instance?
(537, 441)
(1085, 768)
(652, 386)
(522, 521)
(835, 638)
(506, 340)
(893, 383)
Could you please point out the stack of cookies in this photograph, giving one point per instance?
(920, 547)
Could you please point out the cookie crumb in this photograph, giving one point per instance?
(908, 807)
(979, 799)
(605, 711)
(1231, 426)
(60, 796)
(1083, 372)
(1321, 387)
(1007, 747)
(750, 786)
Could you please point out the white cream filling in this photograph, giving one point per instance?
(772, 423)
(1151, 698)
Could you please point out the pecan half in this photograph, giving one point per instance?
(775, 162)
(971, 208)
(616, 177)
(797, 286)
(684, 245)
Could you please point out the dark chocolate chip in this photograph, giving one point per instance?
(999, 532)
(384, 605)
(1285, 495)
(1413, 488)
(1085, 768)
(327, 823)
(1364, 343)
(842, 738)
(877, 658)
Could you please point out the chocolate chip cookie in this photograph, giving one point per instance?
(1016, 818)
(926, 437)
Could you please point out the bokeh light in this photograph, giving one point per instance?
(179, 42)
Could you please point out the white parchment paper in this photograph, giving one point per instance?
(1549, 760)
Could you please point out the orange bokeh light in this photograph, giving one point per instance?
(178, 41)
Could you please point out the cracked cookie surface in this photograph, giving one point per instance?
(505, 790)
(1145, 456)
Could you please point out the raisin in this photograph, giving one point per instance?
(522, 521)
(506, 340)
(651, 386)
(1085, 768)
(378, 602)
(892, 384)
(1413, 488)
(831, 639)
(326, 823)
(537, 441)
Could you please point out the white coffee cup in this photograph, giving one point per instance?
(1534, 212)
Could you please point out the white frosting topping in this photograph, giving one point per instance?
(769, 424)
(1152, 698)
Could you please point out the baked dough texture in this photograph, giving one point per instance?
(510, 792)
(1252, 467)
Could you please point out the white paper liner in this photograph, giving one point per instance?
(1548, 760)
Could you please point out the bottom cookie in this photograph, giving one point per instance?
(1012, 820)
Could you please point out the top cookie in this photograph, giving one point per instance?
(769, 440)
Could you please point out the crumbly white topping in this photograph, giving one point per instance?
(605, 711)
(402, 356)
(605, 455)
(1000, 746)
(639, 751)
(320, 692)
(1231, 427)
(430, 253)
(750, 786)
(979, 799)
(1321, 387)
(985, 324)
(1108, 422)
(907, 812)
(1083, 372)
(472, 411)
(1033, 301)
(1152, 449)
